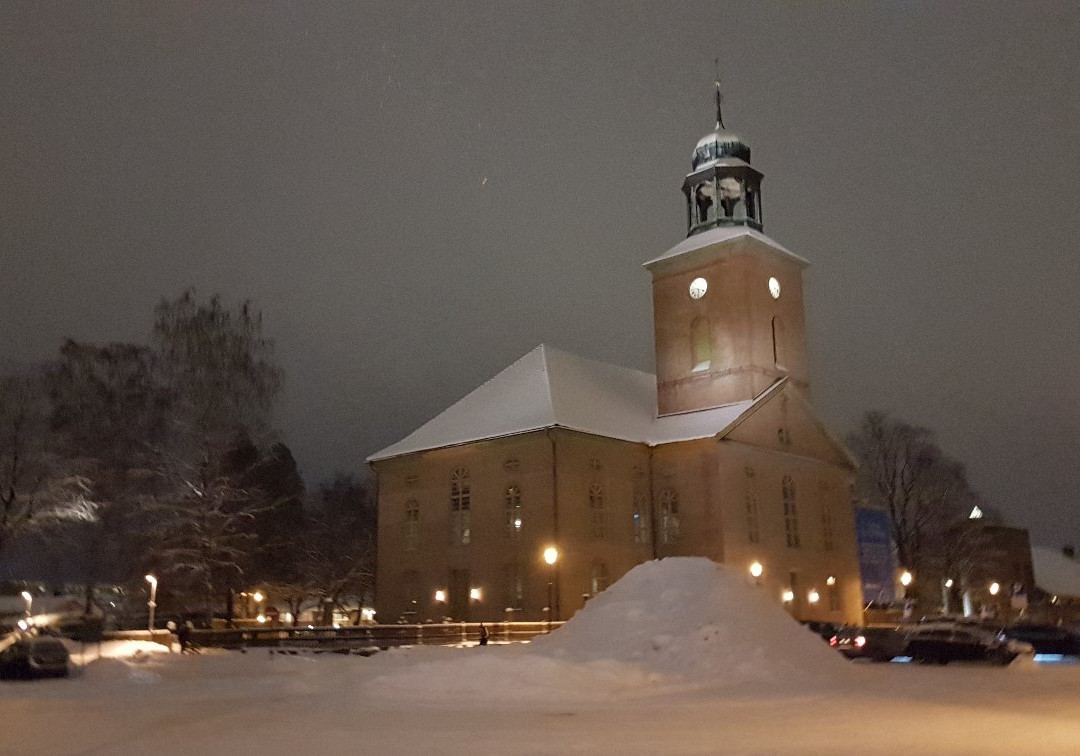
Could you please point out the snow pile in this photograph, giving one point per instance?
(691, 618)
(672, 624)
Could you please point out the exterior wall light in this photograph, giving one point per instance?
(831, 580)
(788, 596)
(756, 569)
(474, 594)
(440, 596)
(906, 578)
(949, 583)
(813, 596)
(994, 588)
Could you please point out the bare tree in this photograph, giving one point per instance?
(903, 470)
(340, 559)
(37, 486)
(218, 374)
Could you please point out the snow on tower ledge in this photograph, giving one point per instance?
(549, 388)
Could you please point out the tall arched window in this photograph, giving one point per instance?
(753, 528)
(460, 504)
(596, 511)
(513, 510)
(791, 515)
(412, 525)
(700, 345)
(669, 516)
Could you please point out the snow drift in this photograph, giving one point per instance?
(677, 622)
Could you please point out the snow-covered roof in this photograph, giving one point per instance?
(1055, 572)
(551, 388)
(719, 235)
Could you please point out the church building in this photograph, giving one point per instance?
(546, 484)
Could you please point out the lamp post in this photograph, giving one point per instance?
(551, 556)
(29, 599)
(151, 605)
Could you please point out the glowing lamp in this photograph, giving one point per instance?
(258, 596)
(551, 555)
(756, 569)
(813, 597)
(261, 619)
(440, 596)
(474, 594)
(906, 578)
(788, 596)
(994, 588)
(831, 580)
(949, 583)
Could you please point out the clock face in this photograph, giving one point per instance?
(774, 288)
(698, 287)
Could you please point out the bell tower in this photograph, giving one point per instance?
(728, 300)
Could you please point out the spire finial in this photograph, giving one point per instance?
(719, 99)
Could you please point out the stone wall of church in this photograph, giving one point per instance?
(794, 515)
(597, 480)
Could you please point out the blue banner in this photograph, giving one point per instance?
(877, 558)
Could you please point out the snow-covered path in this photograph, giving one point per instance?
(258, 703)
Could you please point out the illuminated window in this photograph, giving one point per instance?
(669, 516)
(753, 527)
(641, 518)
(513, 510)
(460, 504)
(791, 515)
(599, 579)
(700, 345)
(412, 525)
(596, 511)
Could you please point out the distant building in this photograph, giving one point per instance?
(719, 454)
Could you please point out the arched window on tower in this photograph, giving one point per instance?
(731, 198)
(700, 344)
(460, 504)
(778, 343)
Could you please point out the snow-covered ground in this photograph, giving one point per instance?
(679, 656)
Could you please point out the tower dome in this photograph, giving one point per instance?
(722, 189)
(719, 144)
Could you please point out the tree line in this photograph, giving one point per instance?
(122, 459)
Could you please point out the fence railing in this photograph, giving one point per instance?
(380, 636)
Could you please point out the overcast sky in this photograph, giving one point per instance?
(418, 194)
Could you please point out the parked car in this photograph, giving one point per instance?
(941, 643)
(879, 644)
(1046, 639)
(36, 656)
(823, 629)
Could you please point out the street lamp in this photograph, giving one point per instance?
(906, 578)
(29, 599)
(994, 588)
(551, 556)
(151, 605)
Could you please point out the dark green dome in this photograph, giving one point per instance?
(719, 144)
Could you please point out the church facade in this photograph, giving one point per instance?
(546, 484)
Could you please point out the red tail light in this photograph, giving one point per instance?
(834, 641)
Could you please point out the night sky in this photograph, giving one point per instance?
(418, 194)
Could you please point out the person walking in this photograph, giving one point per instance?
(483, 635)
